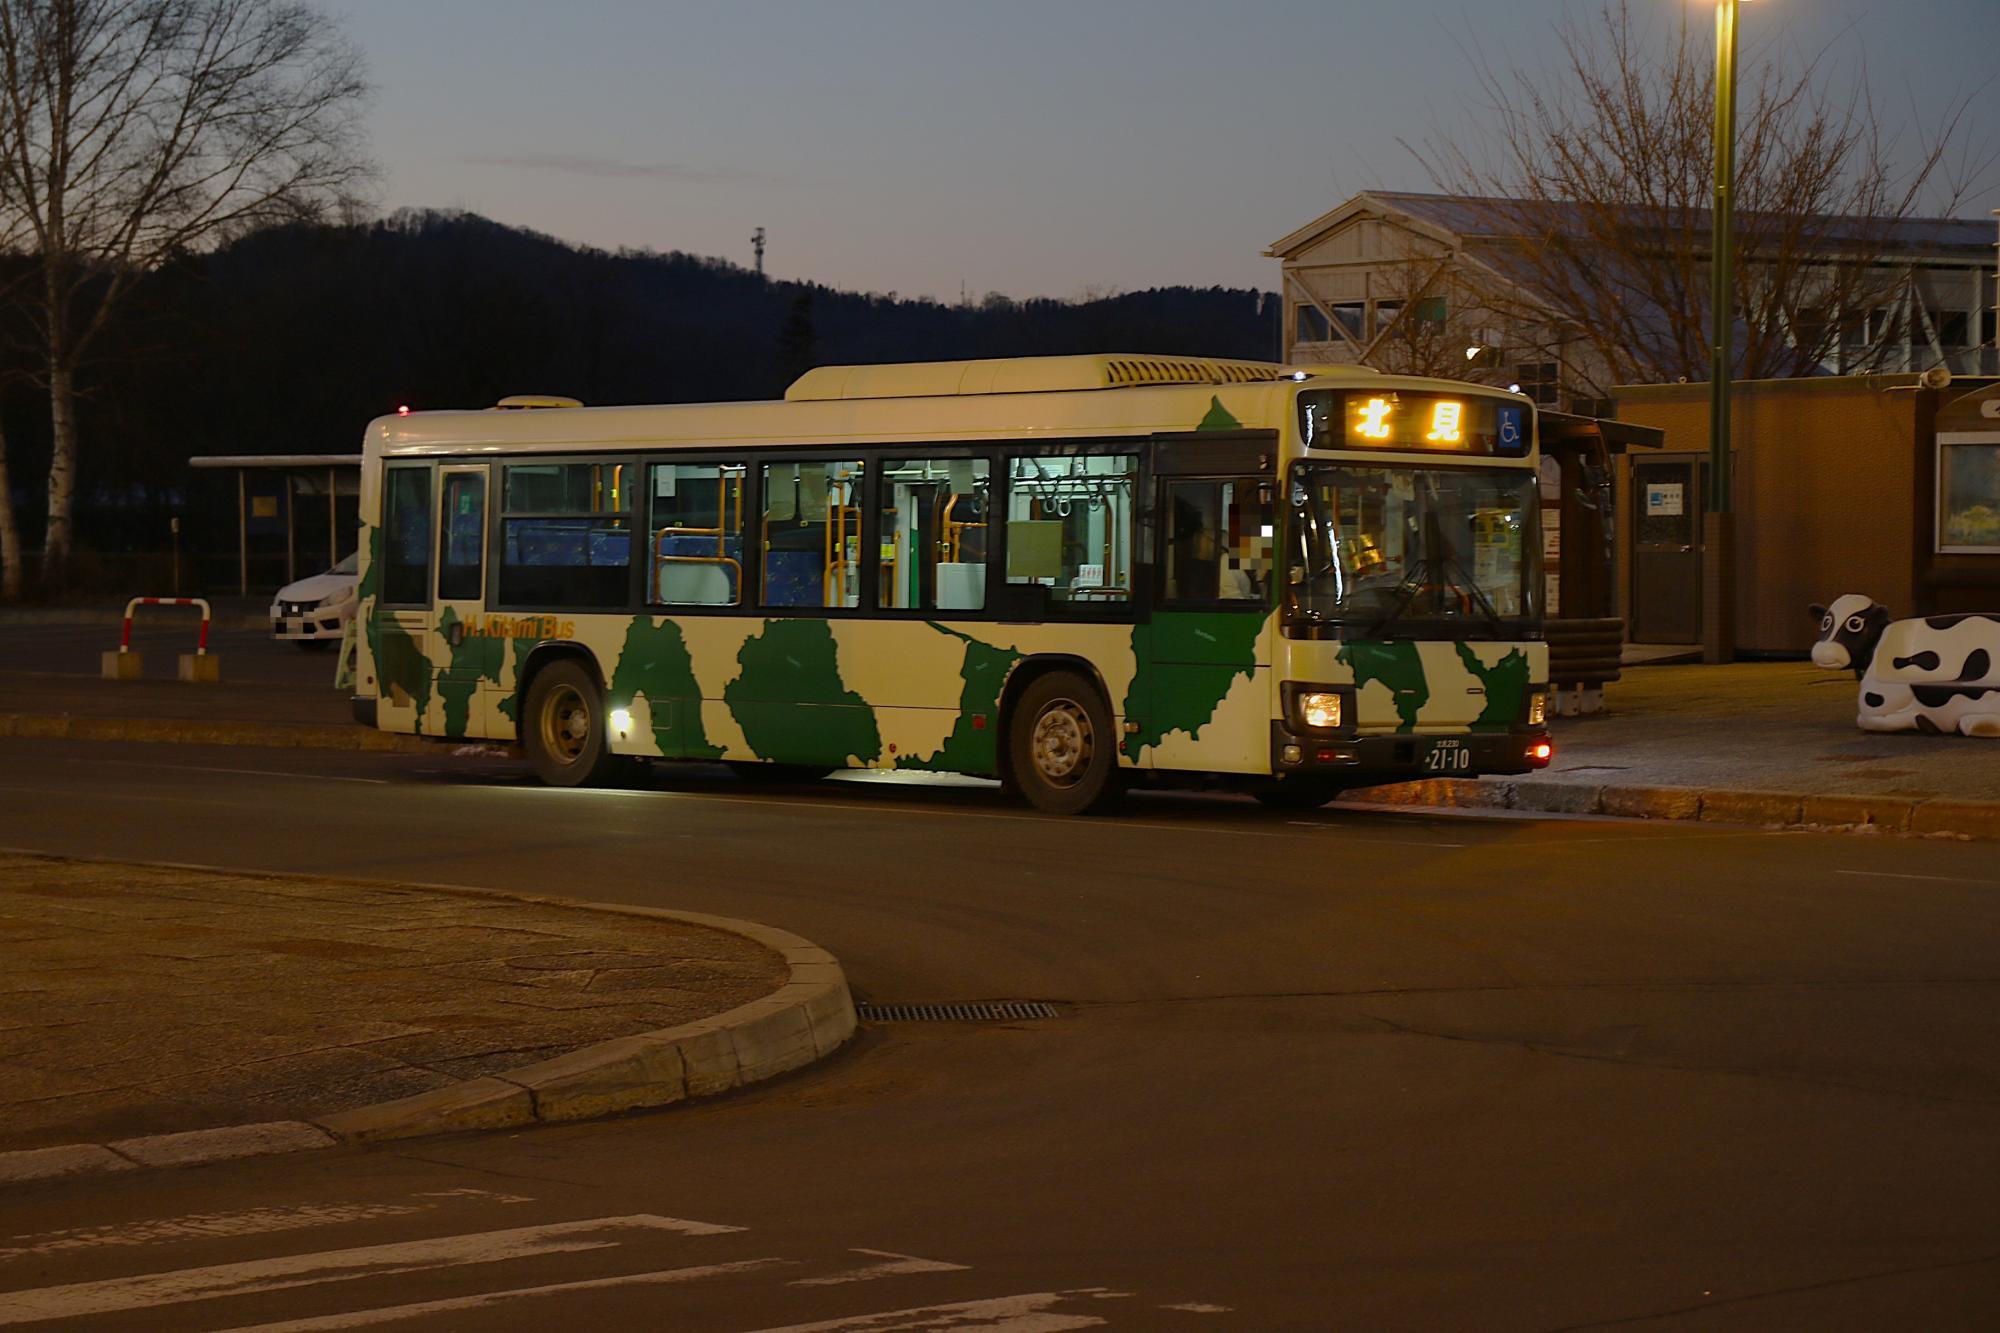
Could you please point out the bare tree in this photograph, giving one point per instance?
(135, 131)
(1590, 186)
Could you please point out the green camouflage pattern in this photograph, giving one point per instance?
(1189, 690)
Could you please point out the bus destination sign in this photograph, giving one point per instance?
(1423, 422)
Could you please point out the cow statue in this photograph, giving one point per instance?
(1936, 674)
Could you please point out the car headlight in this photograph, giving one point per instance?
(1320, 711)
(1538, 708)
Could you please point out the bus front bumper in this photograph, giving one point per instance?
(1358, 760)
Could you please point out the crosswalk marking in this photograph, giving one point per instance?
(390, 1313)
(250, 1222)
(898, 1265)
(263, 1275)
(1032, 1312)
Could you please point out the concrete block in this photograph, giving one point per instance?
(223, 1145)
(1653, 802)
(708, 1054)
(612, 1076)
(830, 1015)
(73, 1159)
(1974, 819)
(771, 1037)
(202, 668)
(124, 666)
(1751, 807)
(1889, 812)
(483, 1103)
(1559, 798)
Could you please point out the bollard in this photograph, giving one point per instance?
(200, 665)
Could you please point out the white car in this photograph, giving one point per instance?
(315, 611)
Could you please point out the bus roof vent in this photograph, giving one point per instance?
(1028, 374)
(521, 402)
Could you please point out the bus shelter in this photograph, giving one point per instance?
(299, 513)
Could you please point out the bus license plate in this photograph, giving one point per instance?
(1448, 757)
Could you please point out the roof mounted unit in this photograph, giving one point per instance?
(1032, 374)
(522, 402)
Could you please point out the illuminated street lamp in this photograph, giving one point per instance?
(1719, 538)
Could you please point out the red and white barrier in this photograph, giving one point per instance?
(207, 615)
(196, 666)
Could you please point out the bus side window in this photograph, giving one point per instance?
(811, 533)
(565, 540)
(697, 534)
(934, 534)
(1219, 540)
(406, 537)
(1069, 525)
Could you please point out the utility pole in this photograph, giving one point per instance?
(1718, 627)
(757, 239)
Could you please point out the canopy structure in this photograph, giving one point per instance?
(270, 489)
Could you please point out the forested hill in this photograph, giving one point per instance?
(294, 338)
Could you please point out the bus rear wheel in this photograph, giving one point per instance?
(1063, 746)
(563, 728)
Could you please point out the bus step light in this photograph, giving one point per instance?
(1291, 754)
(1541, 752)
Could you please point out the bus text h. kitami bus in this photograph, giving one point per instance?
(1070, 573)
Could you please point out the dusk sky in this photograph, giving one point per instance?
(1030, 147)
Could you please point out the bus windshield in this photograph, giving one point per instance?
(1412, 552)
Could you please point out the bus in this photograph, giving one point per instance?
(1072, 573)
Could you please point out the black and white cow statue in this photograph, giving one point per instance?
(1937, 674)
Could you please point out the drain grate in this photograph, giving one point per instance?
(984, 1011)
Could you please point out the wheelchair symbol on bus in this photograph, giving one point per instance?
(1510, 427)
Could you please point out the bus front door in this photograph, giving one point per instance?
(468, 659)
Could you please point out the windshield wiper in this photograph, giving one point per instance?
(1414, 582)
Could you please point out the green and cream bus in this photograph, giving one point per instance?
(1069, 573)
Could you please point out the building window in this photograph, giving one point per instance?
(1885, 325)
(1309, 325)
(812, 533)
(697, 534)
(1385, 315)
(1069, 525)
(934, 529)
(1539, 380)
(1969, 496)
(1430, 310)
(565, 542)
(406, 537)
(1219, 541)
(1353, 317)
(1952, 328)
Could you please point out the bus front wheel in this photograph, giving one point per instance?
(563, 728)
(1063, 746)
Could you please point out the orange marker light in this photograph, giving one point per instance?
(1444, 422)
(1375, 419)
(1542, 752)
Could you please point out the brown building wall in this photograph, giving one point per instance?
(1826, 492)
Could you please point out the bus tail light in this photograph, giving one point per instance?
(1540, 753)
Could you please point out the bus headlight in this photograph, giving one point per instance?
(1538, 708)
(1320, 710)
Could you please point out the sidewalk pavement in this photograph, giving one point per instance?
(158, 1014)
(1752, 742)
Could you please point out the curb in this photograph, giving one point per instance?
(1714, 805)
(193, 731)
(805, 1019)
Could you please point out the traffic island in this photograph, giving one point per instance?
(160, 1015)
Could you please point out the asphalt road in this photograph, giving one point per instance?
(1355, 1070)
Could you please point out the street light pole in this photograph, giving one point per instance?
(1719, 526)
